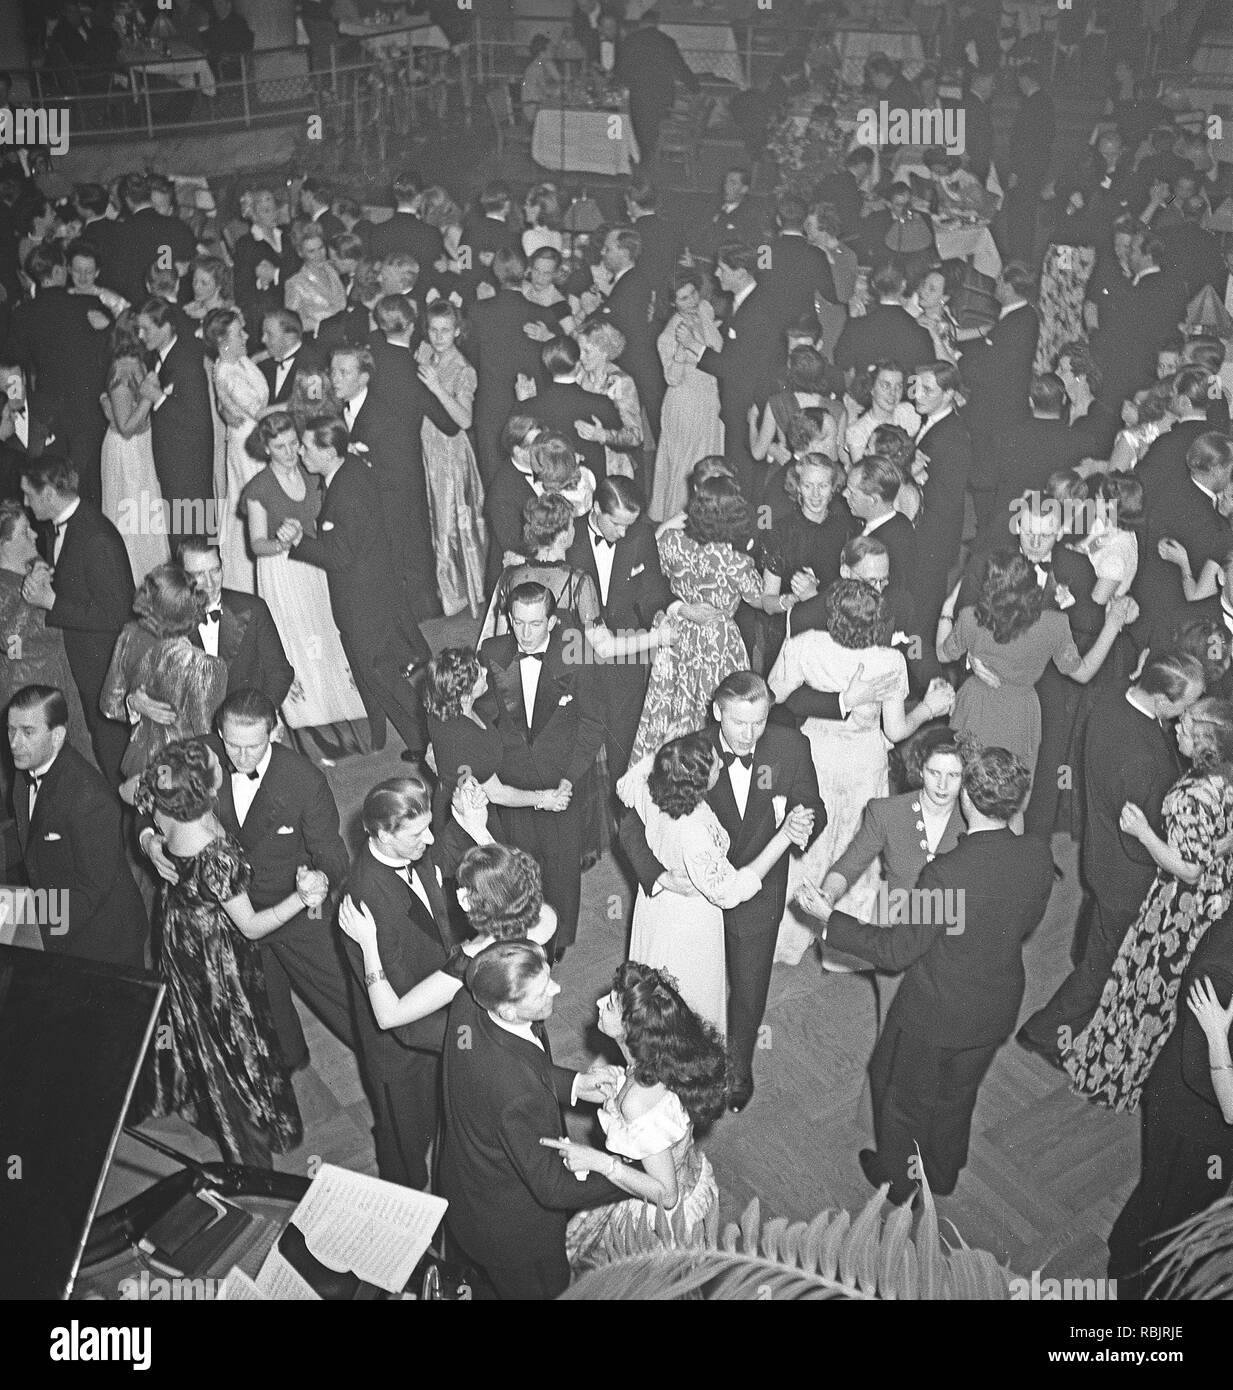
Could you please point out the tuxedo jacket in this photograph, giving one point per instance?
(249, 643)
(558, 404)
(744, 223)
(396, 385)
(74, 844)
(797, 272)
(45, 434)
(650, 65)
(138, 244)
(567, 723)
(1031, 140)
(745, 367)
(1133, 326)
(887, 333)
(404, 232)
(182, 428)
(948, 447)
(1127, 756)
(783, 767)
(637, 590)
(628, 308)
(247, 254)
(660, 248)
(413, 945)
(1020, 460)
(899, 537)
(304, 357)
(355, 555)
(961, 951)
(68, 358)
(1182, 513)
(94, 594)
(1163, 468)
(500, 351)
(510, 1197)
(998, 371)
(505, 495)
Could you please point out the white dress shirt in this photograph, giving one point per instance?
(529, 673)
(244, 788)
(21, 426)
(60, 523)
(739, 776)
(209, 632)
(872, 525)
(353, 407)
(282, 367)
(405, 872)
(604, 554)
(40, 773)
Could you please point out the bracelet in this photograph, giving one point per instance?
(1220, 1066)
(613, 1164)
(373, 976)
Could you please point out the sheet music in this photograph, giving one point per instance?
(281, 1282)
(239, 1288)
(376, 1229)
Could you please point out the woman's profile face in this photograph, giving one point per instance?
(688, 300)
(590, 353)
(481, 683)
(611, 1024)
(22, 545)
(717, 766)
(205, 286)
(943, 776)
(1185, 735)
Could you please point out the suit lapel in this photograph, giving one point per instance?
(509, 684)
(231, 629)
(722, 800)
(549, 691)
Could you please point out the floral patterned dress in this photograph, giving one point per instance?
(216, 1060)
(1063, 286)
(684, 677)
(1111, 1058)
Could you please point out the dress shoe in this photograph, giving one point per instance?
(899, 1194)
(1029, 1044)
(740, 1095)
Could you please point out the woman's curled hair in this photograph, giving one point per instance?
(181, 781)
(544, 520)
(669, 1045)
(857, 615)
(505, 891)
(1010, 600)
(681, 774)
(452, 674)
(167, 604)
(719, 514)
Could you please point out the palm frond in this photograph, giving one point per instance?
(713, 1274)
(1197, 1264)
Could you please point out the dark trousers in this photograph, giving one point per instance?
(1175, 1183)
(386, 693)
(749, 959)
(554, 838)
(646, 119)
(923, 1096)
(1076, 998)
(535, 1281)
(108, 737)
(405, 1102)
(1019, 217)
(304, 955)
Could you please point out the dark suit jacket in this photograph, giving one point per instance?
(1184, 514)
(505, 495)
(998, 372)
(404, 232)
(559, 404)
(650, 65)
(94, 595)
(75, 845)
(661, 246)
(305, 356)
(510, 1197)
(1193, 256)
(249, 643)
(247, 254)
(500, 350)
(744, 222)
(1163, 468)
(899, 538)
(356, 558)
(1127, 756)
(978, 136)
(143, 238)
(962, 950)
(1031, 140)
(783, 766)
(1023, 456)
(628, 307)
(948, 447)
(45, 434)
(183, 426)
(745, 367)
(413, 944)
(887, 333)
(797, 271)
(1133, 326)
(567, 725)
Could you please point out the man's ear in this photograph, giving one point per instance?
(552, 622)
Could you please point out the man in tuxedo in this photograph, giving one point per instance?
(508, 492)
(397, 878)
(545, 697)
(181, 422)
(1129, 755)
(887, 333)
(562, 405)
(280, 809)
(616, 547)
(762, 763)
(93, 203)
(488, 227)
(650, 65)
(978, 123)
(387, 426)
(406, 231)
(845, 190)
(510, 1196)
(1162, 468)
(72, 844)
(146, 238)
(91, 596)
(873, 484)
(315, 198)
(737, 218)
(627, 306)
(502, 351)
(282, 336)
(796, 272)
(381, 641)
(1027, 165)
(1188, 514)
(660, 243)
(1134, 325)
(960, 948)
(29, 428)
(61, 341)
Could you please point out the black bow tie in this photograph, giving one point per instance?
(530, 656)
(15, 409)
(35, 781)
(602, 540)
(252, 776)
(745, 759)
(60, 525)
(212, 616)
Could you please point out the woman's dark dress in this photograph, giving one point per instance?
(217, 1061)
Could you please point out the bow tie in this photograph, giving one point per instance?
(212, 616)
(60, 525)
(745, 759)
(15, 409)
(252, 776)
(36, 781)
(597, 539)
(530, 656)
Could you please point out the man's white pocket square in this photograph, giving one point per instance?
(565, 699)
(286, 830)
(327, 525)
(51, 835)
(637, 570)
(51, 439)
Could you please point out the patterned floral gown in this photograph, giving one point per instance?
(1111, 1058)
(216, 1056)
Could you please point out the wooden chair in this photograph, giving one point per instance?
(506, 125)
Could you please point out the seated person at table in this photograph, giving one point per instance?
(541, 81)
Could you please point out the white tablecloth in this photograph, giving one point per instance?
(585, 142)
(855, 45)
(976, 244)
(186, 67)
(390, 40)
(708, 48)
(1214, 56)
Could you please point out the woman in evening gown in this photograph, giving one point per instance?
(241, 393)
(217, 1063)
(324, 691)
(673, 1086)
(455, 493)
(132, 498)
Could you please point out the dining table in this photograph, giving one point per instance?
(174, 61)
(856, 43)
(394, 37)
(584, 140)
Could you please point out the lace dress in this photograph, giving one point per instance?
(455, 494)
(132, 498)
(666, 1125)
(849, 756)
(216, 1059)
(241, 394)
(689, 423)
(684, 677)
(1111, 1058)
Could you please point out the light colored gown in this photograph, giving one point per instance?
(241, 394)
(849, 756)
(683, 933)
(132, 498)
(455, 494)
(690, 427)
(665, 1125)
